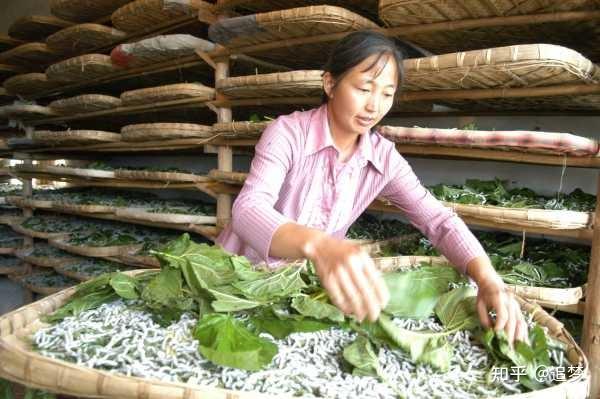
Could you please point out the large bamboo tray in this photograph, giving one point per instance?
(95, 252)
(178, 91)
(164, 131)
(84, 103)
(285, 84)
(25, 254)
(477, 24)
(143, 15)
(73, 137)
(534, 142)
(36, 27)
(84, 10)
(28, 84)
(37, 234)
(6, 71)
(33, 56)
(7, 42)
(83, 38)
(367, 8)
(239, 129)
(524, 77)
(81, 68)
(289, 24)
(158, 49)
(17, 360)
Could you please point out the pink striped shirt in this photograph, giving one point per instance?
(295, 177)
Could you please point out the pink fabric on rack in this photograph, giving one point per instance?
(295, 177)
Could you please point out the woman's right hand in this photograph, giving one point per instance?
(347, 272)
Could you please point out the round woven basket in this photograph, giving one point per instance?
(10, 267)
(240, 129)
(6, 71)
(142, 15)
(164, 131)
(17, 359)
(22, 202)
(7, 42)
(41, 261)
(81, 68)
(82, 209)
(85, 103)
(37, 234)
(159, 176)
(95, 252)
(84, 10)
(64, 171)
(408, 12)
(237, 178)
(32, 56)
(36, 27)
(24, 111)
(75, 137)
(171, 218)
(172, 92)
(29, 83)
(280, 84)
(84, 38)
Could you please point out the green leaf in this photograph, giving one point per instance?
(165, 296)
(280, 284)
(124, 285)
(203, 266)
(280, 327)
(244, 269)
(226, 342)
(79, 304)
(227, 302)
(307, 306)
(457, 309)
(6, 391)
(362, 357)
(427, 348)
(31, 393)
(414, 293)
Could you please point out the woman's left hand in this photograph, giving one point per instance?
(493, 295)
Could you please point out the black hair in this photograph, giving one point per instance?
(355, 48)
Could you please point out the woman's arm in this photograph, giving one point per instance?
(452, 237)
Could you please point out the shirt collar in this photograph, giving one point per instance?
(319, 137)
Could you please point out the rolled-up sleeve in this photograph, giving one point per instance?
(254, 218)
(446, 231)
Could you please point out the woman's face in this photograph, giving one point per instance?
(363, 95)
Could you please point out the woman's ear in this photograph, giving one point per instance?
(328, 84)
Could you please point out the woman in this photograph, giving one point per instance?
(315, 172)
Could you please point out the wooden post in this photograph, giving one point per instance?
(591, 315)
(225, 153)
(28, 212)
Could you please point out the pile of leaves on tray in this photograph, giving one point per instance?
(498, 193)
(536, 262)
(124, 199)
(242, 311)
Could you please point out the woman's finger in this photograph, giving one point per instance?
(502, 315)
(521, 333)
(484, 316)
(365, 289)
(376, 280)
(350, 292)
(335, 293)
(511, 323)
